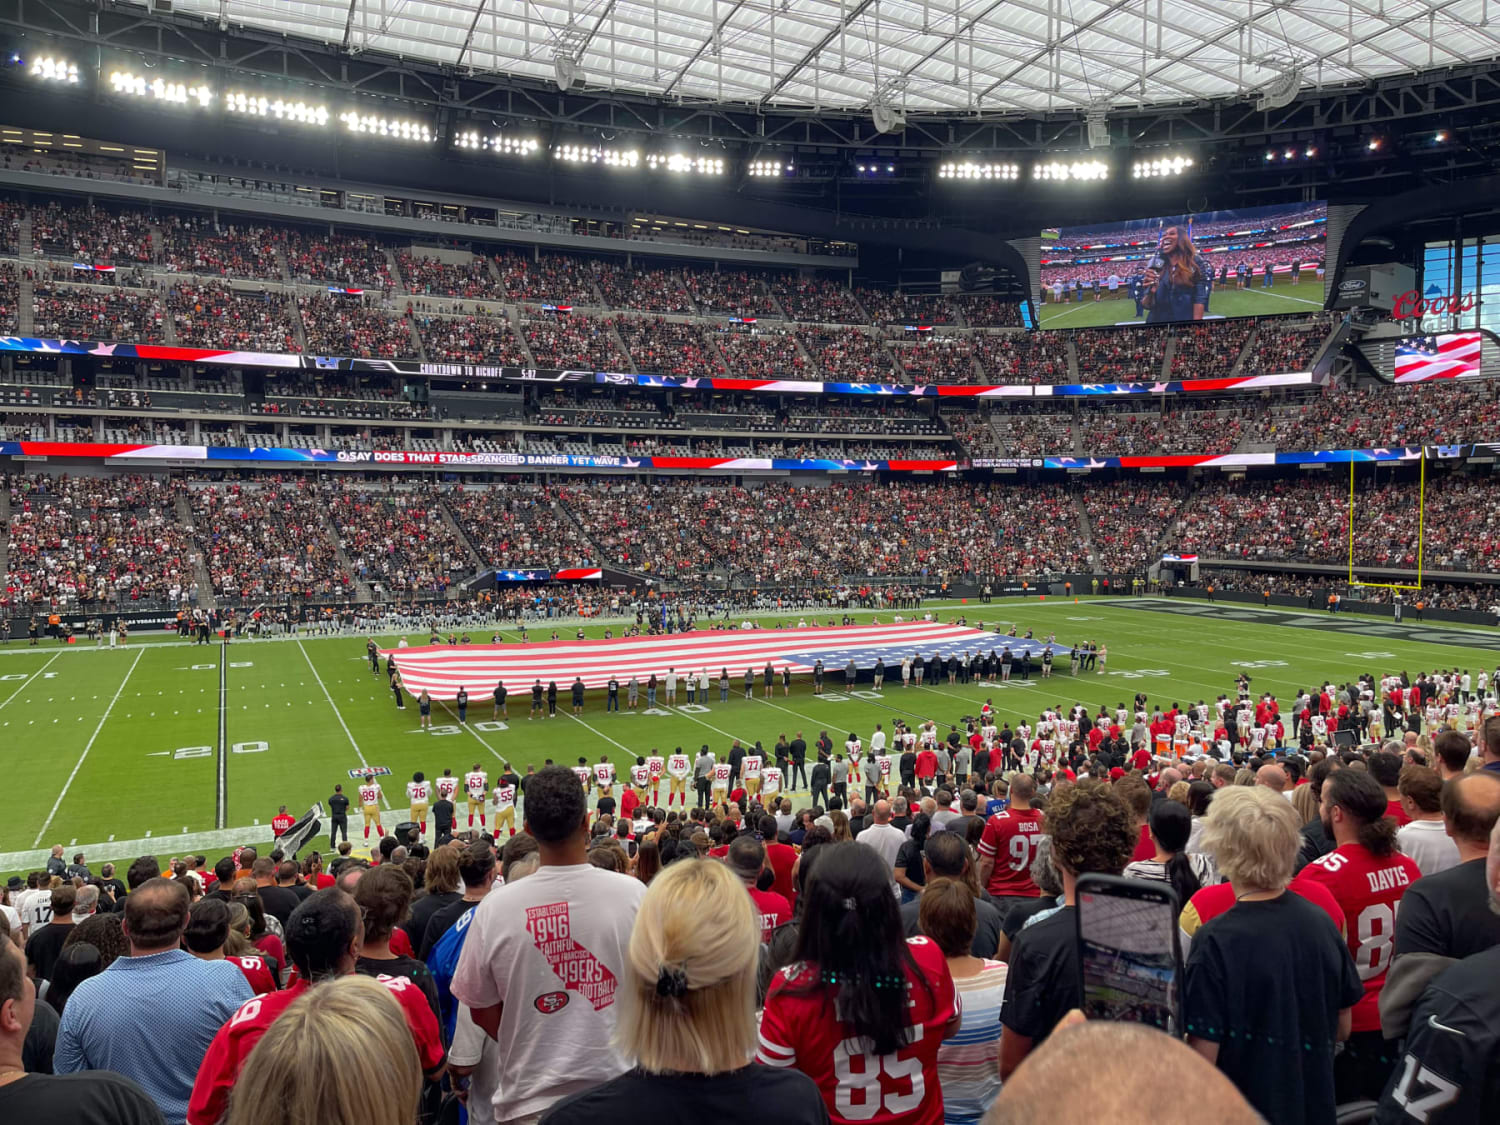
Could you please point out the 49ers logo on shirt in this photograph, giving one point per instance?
(578, 969)
(549, 1002)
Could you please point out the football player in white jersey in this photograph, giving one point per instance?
(678, 768)
(369, 802)
(505, 803)
(750, 769)
(770, 782)
(446, 786)
(656, 765)
(604, 777)
(419, 793)
(476, 784)
(640, 779)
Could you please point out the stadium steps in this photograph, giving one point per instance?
(362, 590)
(865, 317)
(158, 243)
(1086, 529)
(24, 246)
(294, 311)
(25, 298)
(168, 322)
(461, 535)
(681, 279)
(513, 316)
(711, 345)
(286, 274)
(416, 337)
(395, 267)
(1072, 362)
(1167, 355)
(201, 575)
(614, 331)
(775, 304)
(1239, 360)
(4, 539)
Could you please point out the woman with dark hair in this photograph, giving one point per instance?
(1170, 824)
(260, 934)
(857, 986)
(75, 964)
(909, 873)
(1175, 279)
(1200, 793)
(647, 860)
(383, 895)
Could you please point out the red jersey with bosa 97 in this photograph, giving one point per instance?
(800, 1028)
(1010, 839)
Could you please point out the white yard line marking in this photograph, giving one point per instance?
(601, 734)
(465, 726)
(87, 747)
(360, 754)
(28, 681)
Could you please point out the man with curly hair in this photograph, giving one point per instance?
(1091, 831)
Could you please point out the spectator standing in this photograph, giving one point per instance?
(1425, 836)
(568, 924)
(885, 840)
(1008, 847)
(855, 984)
(152, 1015)
(1368, 878)
(687, 1015)
(92, 1096)
(1272, 970)
(46, 942)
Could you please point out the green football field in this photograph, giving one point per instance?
(1283, 297)
(167, 747)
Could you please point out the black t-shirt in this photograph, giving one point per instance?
(1450, 1074)
(422, 911)
(785, 1096)
(440, 923)
(93, 1097)
(442, 813)
(1042, 984)
(279, 901)
(45, 946)
(338, 805)
(412, 970)
(1017, 916)
(986, 933)
(41, 1039)
(1266, 982)
(1448, 914)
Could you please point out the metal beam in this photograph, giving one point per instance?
(815, 51)
(469, 38)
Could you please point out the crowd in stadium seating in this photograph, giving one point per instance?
(648, 290)
(983, 310)
(337, 324)
(816, 299)
(98, 236)
(1209, 349)
(352, 261)
(1127, 519)
(846, 354)
(86, 313)
(1278, 348)
(10, 296)
(575, 341)
(481, 338)
(433, 277)
(767, 353)
(215, 315)
(667, 347)
(85, 540)
(1017, 357)
(553, 279)
(1380, 417)
(1315, 588)
(518, 526)
(195, 244)
(264, 541)
(1111, 434)
(1121, 354)
(398, 540)
(935, 359)
(899, 308)
(729, 293)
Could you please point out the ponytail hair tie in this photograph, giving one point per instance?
(672, 982)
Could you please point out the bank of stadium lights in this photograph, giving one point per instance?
(682, 165)
(159, 89)
(501, 145)
(1076, 170)
(1161, 167)
(282, 109)
(49, 68)
(769, 169)
(399, 129)
(1290, 154)
(592, 154)
(972, 170)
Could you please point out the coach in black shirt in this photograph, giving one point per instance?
(798, 777)
(442, 821)
(338, 816)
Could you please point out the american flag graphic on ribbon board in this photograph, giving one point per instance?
(1453, 355)
(443, 669)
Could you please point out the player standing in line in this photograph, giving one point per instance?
(500, 709)
(446, 786)
(883, 768)
(604, 778)
(678, 768)
(656, 765)
(720, 782)
(369, 800)
(585, 773)
(640, 780)
(770, 785)
(750, 771)
(424, 709)
(419, 793)
(506, 786)
(463, 704)
(476, 784)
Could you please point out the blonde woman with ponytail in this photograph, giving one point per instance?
(687, 1014)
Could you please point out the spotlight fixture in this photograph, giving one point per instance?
(973, 170)
(176, 93)
(677, 162)
(50, 69)
(1165, 166)
(769, 168)
(500, 145)
(593, 154)
(1075, 170)
(255, 105)
(400, 129)
(1373, 144)
(1440, 137)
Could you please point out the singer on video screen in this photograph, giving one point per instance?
(1176, 280)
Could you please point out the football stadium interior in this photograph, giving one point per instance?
(399, 392)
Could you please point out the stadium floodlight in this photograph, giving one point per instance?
(49, 68)
(1078, 170)
(399, 129)
(978, 170)
(501, 144)
(174, 93)
(769, 168)
(282, 109)
(681, 164)
(1164, 166)
(594, 154)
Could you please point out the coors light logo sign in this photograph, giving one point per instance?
(1432, 302)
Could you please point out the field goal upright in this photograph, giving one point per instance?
(1421, 525)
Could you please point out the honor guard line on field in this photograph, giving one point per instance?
(1421, 516)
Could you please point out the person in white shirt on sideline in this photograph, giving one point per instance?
(542, 966)
(1426, 837)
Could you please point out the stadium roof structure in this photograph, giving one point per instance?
(940, 57)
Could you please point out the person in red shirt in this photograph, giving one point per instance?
(323, 935)
(1385, 768)
(1008, 846)
(780, 858)
(1136, 795)
(207, 936)
(927, 764)
(747, 859)
(1368, 877)
(861, 1010)
(282, 822)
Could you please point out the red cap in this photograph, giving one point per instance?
(1116, 773)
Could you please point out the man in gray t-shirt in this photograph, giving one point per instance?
(840, 777)
(871, 769)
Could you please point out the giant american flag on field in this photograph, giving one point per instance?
(442, 669)
(1455, 355)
